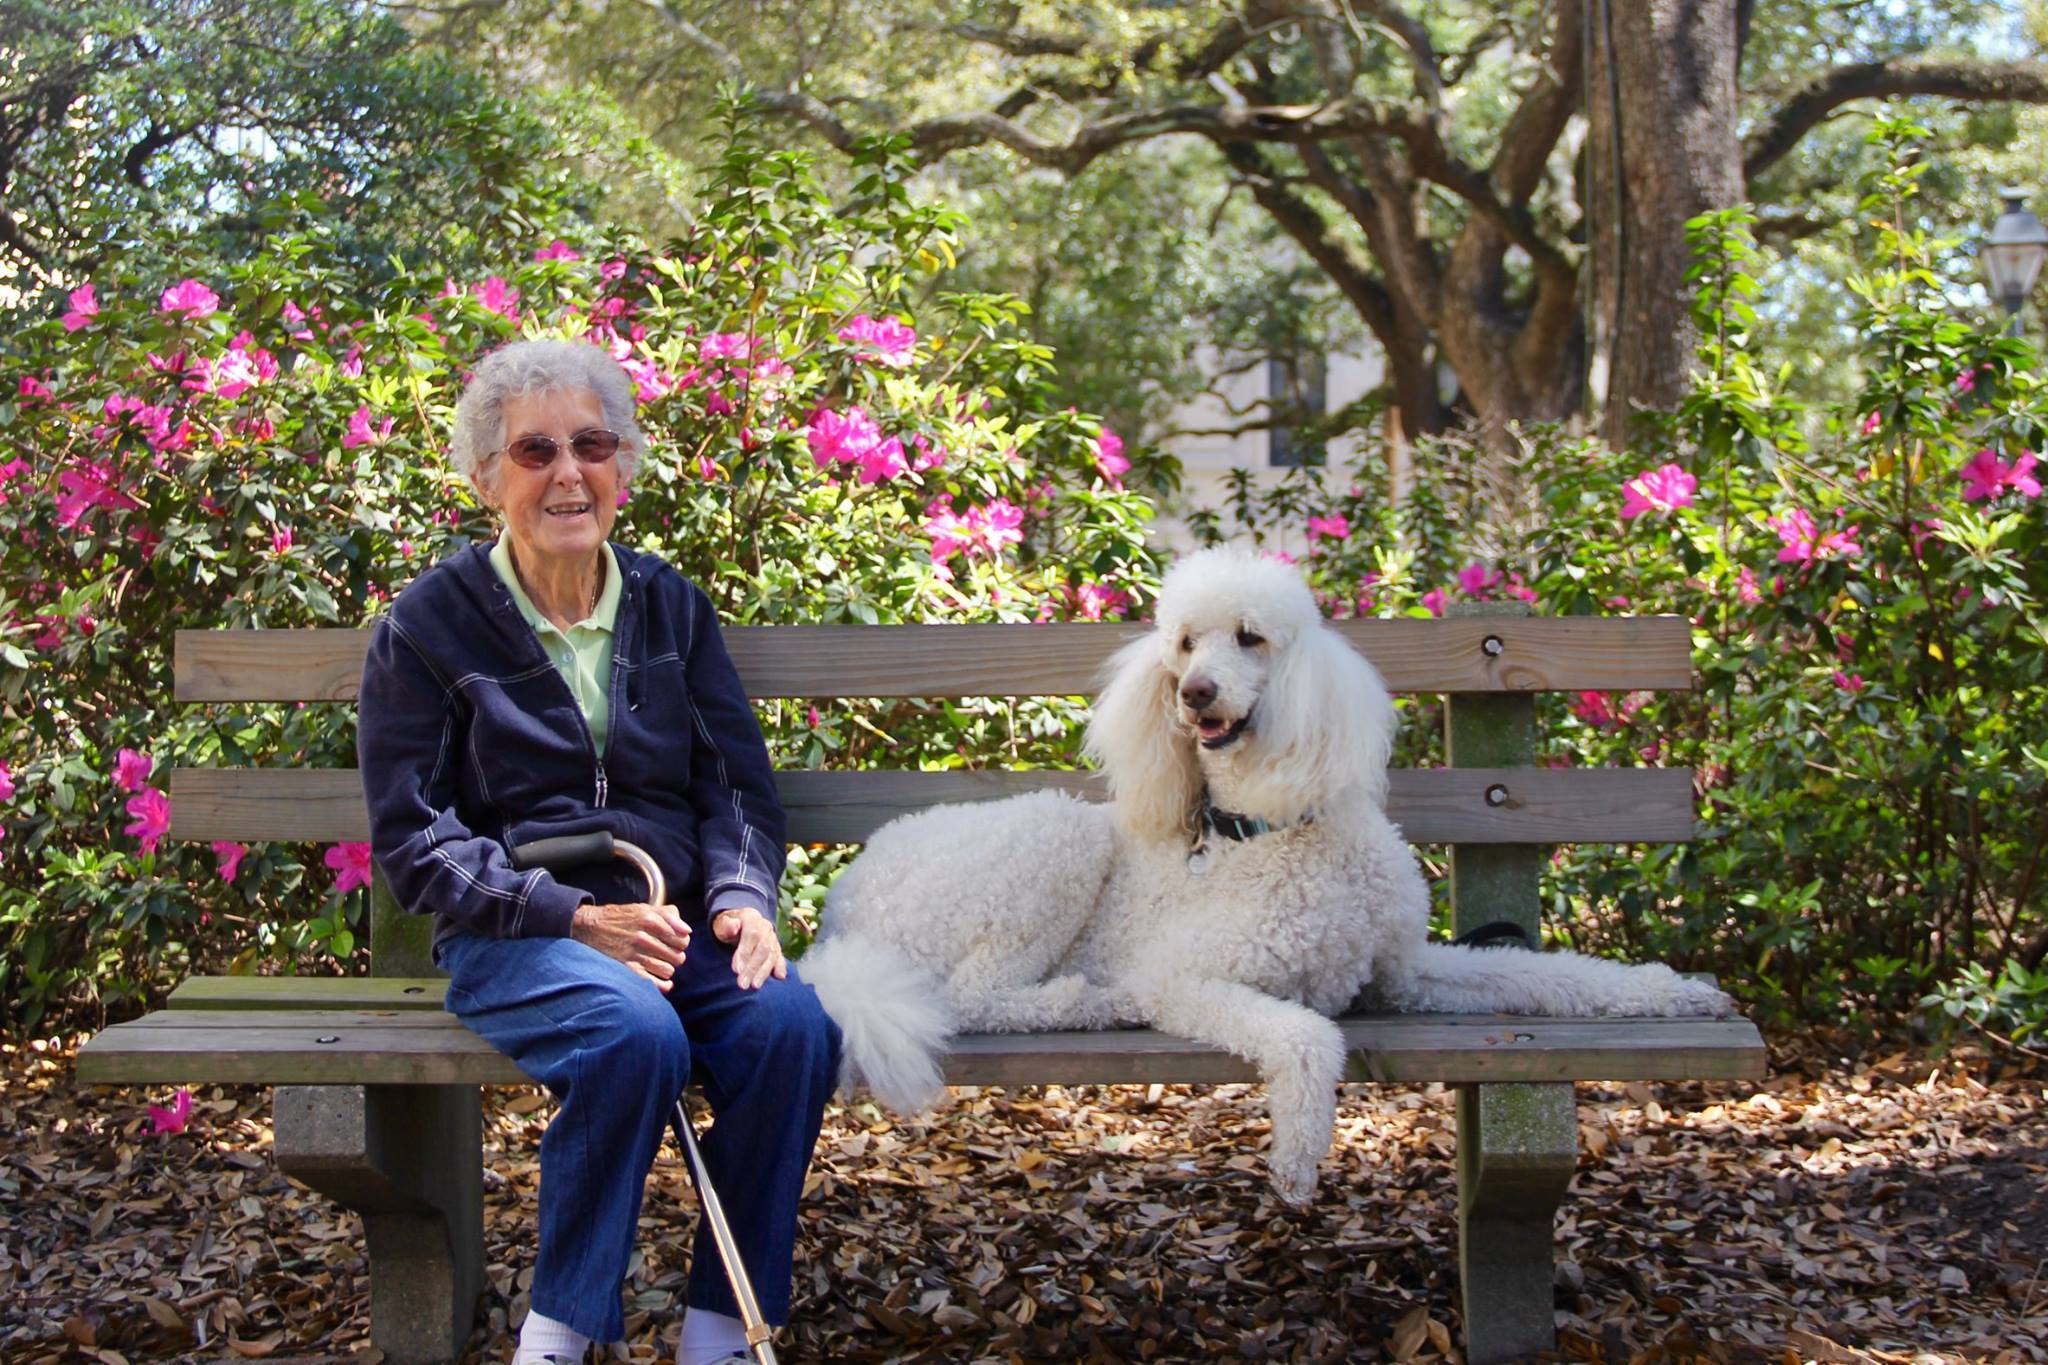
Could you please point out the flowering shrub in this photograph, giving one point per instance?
(1866, 593)
(261, 445)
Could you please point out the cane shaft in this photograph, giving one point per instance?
(759, 1333)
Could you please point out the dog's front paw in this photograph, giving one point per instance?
(1293, 1180)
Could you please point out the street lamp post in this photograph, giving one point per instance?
(2013, 254)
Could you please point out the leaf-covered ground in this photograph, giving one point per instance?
(1891, 1209)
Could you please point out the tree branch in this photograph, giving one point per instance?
(1818, 97)
(1298, 218)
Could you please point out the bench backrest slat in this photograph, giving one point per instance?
(1431, 805)
(1536, 653)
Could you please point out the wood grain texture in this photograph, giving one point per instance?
(1431, 805)
(415, 1047)
(1537, 653)
(309, 992)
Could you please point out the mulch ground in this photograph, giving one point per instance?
(1888, 1209)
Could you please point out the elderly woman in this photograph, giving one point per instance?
(552, 683)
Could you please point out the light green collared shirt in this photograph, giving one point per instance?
(584, 655)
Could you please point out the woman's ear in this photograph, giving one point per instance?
(1134, 736)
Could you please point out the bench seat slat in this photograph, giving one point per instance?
(1055, 659)
(419, 1047)
(1431, 805)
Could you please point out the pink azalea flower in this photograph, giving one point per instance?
(498, 297)
(1433, 601)
(1873, 424)
(882, 461)
(558, 250)
(1801, 542)
(352, 864)
(811, 717)
(707, 467)
(132, 769)
(173, 1119)
(1109, 458)
(1982, 477)
(280, 540)
(1849, 682)
(239, 370)
(189, 297)
(351, 366)
(6, 783)
(84, 308)
(1745, 588)
(929, 456)
(841, 437)
(649, 383)
(33, 388)
(1003, 524)
(293, 316)
(230, 855)
(1966, 381)
(2020, 479)
(726, 346)
(1336, 526)
(1595, 709)
(82, 488)
(1099, 601)
(1476, 581)
(883, 339)
(1664, 489)
(611, 271)
(152, 812)
(359, 430)
(1519, 590)
(769, 375)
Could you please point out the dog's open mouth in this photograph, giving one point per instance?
(1218, 733)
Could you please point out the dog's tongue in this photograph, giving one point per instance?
(1212, 729)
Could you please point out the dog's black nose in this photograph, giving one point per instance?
(1197, 692)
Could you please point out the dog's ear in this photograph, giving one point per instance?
(1325, 726)
(1135, 738)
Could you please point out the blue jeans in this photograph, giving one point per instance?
(616, 1052)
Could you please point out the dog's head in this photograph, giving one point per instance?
(1239, 676)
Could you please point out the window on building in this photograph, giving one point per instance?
(1297, 389)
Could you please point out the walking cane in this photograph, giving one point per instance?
(569, 851)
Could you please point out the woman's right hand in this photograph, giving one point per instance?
(650, 939)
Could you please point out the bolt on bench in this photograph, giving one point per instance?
(377, 1089)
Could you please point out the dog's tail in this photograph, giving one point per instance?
(891, 1014)
(1454, 979)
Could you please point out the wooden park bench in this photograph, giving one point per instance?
(377, 1089)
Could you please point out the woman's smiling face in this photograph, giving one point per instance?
(565, 510)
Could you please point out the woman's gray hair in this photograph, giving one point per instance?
(530, 367)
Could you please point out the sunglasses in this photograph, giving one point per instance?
(594, 446)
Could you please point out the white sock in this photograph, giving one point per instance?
(708, 1337)
(543, 1336)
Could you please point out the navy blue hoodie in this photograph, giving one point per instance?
(469, 741)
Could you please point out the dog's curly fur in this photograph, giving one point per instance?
(1046, 912)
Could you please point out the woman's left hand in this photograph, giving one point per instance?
(757, 952)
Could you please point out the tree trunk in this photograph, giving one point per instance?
(1661, 101)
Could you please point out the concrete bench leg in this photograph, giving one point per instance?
(408, 1158)
(1517, 1147)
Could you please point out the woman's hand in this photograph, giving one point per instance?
(757, 954)
(648, 938)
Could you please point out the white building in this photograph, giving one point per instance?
(1208, 435)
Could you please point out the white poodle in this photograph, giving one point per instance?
(1244, 885)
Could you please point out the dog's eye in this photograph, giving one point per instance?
(1187, 643)
(1250, 639)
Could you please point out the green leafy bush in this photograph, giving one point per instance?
(259, 444)
(1866, 591)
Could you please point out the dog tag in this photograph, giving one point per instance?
(1198, 860)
